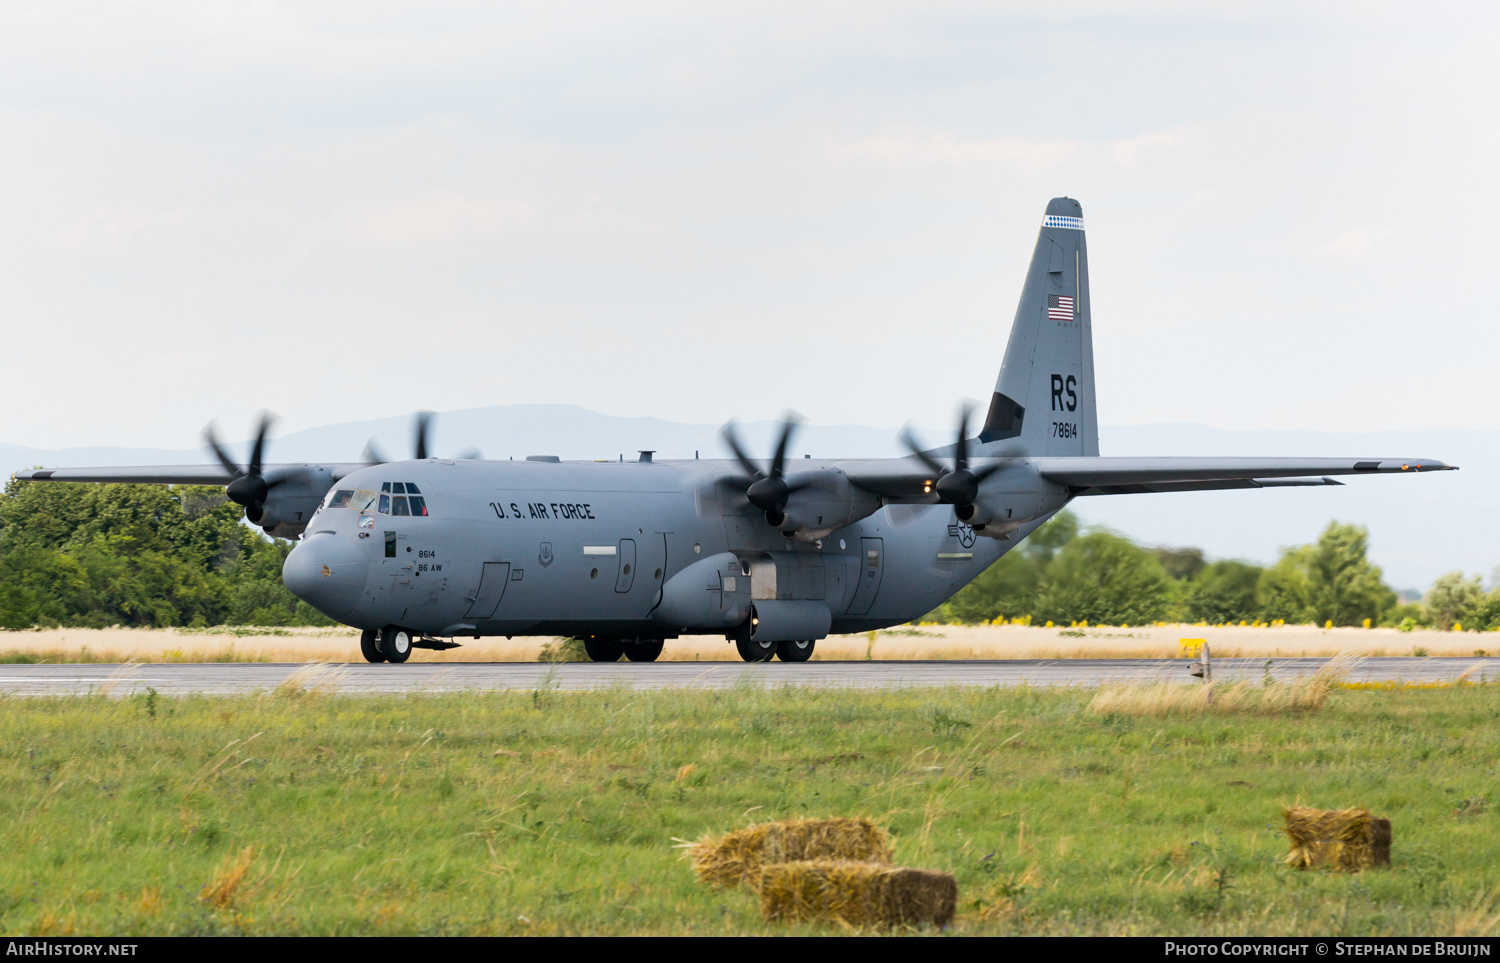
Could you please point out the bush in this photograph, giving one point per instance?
(1224, 591)
(1106, 579)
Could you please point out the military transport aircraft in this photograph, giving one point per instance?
(773, 555)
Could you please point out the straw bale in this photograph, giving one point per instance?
(1349, 840)
(856, 894)
(737, 857)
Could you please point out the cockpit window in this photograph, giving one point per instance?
(354, 499)
(385, 503)
(385, 487)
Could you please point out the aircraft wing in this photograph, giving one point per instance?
(1124, 476)
(897, 478)
(160, 474)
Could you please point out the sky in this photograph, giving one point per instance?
(339, 211)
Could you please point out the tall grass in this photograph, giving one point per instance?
(1217, 698)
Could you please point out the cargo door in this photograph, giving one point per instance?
(486, 598)
(871, 564)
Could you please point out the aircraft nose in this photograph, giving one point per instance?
(327, 573)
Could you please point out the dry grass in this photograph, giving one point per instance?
(250, 644)
(1174, 698)
(858, 894)
(225, 886)
(1349, 840)
(314, 678)
(737, 857)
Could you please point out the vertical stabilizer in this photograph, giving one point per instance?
(1044, 399)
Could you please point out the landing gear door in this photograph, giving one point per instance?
(871, 564)
(626, 577)
(491, 590)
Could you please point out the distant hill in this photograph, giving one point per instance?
(1420, 527)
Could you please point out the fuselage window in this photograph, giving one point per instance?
(398, 505)
(418, 505)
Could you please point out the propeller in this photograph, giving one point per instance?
(957, 486)
(767, 489)
(374, 456)
(247, 486)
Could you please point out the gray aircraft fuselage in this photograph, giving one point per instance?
(620, 549)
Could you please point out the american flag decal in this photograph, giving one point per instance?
(1060, 307)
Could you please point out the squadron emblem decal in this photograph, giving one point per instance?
(545, 555)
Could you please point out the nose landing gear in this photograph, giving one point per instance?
(369, 646)
(390, 644)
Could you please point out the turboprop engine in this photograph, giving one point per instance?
(806, 505)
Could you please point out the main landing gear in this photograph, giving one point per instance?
(610, 650)
(752, 650)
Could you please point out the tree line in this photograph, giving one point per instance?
(150, 555)
(1064, 575)
(137, 555)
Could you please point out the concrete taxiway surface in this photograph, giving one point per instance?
(416, 677)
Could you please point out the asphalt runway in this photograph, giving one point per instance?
(417, 677)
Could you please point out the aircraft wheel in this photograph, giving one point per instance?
(395, 644)
(643, 650)
(603, 650)
(753, 651)
(794, 651)
(369, 646)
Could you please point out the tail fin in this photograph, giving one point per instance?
(1044, 397)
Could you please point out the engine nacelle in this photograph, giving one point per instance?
(823, 502)
(293, 499)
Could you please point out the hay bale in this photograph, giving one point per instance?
(856, 894)
(737, 857)
(1348, 840)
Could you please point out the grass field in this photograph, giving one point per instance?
(542, 812)
(249, 644)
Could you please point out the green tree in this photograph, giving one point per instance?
(1281, 592)
(1343, 587)
(1224, 591)
(94, 555)
(1453, 598)
(1104, 578)
(1181, 563)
